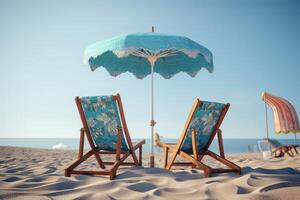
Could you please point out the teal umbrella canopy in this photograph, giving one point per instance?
(147, 53)
(134, 53)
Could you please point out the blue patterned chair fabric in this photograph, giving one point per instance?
(276, 143)
(203, 121)
(102, 115)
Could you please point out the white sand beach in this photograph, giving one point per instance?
(28, 173)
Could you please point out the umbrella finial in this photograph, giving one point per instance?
(152, 29)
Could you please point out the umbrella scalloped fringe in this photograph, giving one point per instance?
(120, 53)
(136, 65)
(289, 131)
(114, 74)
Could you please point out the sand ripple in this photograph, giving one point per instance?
(38, 174)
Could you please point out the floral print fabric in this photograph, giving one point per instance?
(203, 121)
(101, 113)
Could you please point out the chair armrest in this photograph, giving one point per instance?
(159, 143)
(138, 144)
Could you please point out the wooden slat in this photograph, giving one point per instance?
(90, 172)
(124, 163)
(140, 155)
(166, 157)
(81, 144)
(194, 144)
(171, 143)
(183, 164)
(118, 145)
(108, 152)
(220, 170)
(220, 140)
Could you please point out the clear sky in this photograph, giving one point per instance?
(255, 44)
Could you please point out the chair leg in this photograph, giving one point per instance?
(207, 173)
(207, 170)
(113, 174)
(224, 161)
(273, 153)
(290, 150)
(77, 162)
(67, 173)
(295, 149)
(166, 157)
(81, 144)
(281, 152)
(140, 155)
(220, 141)
(170, 163)
(116, 165)
(286, 150)
(100, 162)
(194, 145)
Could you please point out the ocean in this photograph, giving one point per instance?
(230, 145)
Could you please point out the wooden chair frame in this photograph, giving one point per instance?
(120, 156)
(195, 160)
(283, 149)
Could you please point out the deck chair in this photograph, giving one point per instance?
(104, 126)
(201, 127)
(279, 149)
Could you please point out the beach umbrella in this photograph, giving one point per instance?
(144, 54)
(285, 116)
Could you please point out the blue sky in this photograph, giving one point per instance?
(255, 44)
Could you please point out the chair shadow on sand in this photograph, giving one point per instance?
(255, 177)
(182, 174)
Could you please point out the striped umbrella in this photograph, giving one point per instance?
(285, 116)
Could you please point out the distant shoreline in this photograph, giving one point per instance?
(231, 145)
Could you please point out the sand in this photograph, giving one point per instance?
(27, 173)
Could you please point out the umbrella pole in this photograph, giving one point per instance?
(267, 129)
(152, 61)
(267, 126)
(152, 123)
